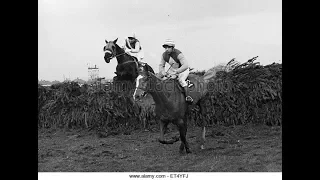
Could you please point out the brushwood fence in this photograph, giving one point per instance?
(240, 94)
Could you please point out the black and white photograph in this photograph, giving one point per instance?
(150, 89)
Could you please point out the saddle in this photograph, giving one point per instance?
(192, 87)
(196, 88)
(190, 83)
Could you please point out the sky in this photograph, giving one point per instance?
(72, 33)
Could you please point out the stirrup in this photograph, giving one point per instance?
(189, 99)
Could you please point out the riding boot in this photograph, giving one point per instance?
(188, 98)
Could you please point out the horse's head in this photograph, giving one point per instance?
(110, 50)
(143, 80)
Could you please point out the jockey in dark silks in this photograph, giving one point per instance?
(178, 65)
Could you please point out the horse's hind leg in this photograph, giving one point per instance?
(203, 117)
(183, 133)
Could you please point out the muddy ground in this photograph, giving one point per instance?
(249, 148)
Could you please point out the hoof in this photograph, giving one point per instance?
(188, 151)
(181, 148)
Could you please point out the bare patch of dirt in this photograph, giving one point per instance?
(228, 149)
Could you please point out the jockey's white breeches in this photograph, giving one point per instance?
(139, 55)
(182, 77)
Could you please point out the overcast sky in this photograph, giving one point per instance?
(72, 33)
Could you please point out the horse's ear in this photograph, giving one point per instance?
(147, 68)
(115, 41)
(106, 41)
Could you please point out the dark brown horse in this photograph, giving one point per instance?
(127, 68)
(170, 103)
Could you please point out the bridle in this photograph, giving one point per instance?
(148, 75)
(143, 89)
(110, 51)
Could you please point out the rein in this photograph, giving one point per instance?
(129, 62)
(114, 56)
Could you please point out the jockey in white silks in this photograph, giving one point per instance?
(178, 65)
(132, 47)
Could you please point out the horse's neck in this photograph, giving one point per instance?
(123, 57)
(160, 96)
(120, 58)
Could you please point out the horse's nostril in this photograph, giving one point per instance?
(106, 59)
(136, 98)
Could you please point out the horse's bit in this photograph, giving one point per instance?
(111, 52)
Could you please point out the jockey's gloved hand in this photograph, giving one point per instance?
(160, 75)
(168, 75)
(163, 74)
(174, 72)
(127, 50)
(172, 76)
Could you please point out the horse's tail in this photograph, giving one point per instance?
(211, 73)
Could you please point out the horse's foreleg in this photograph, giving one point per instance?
(165, 127)
(163, 130)
(183, 133)
(203, 137)
(162, 126)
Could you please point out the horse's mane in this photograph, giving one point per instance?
(153, 74)
(170, 81)
(119, 48)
